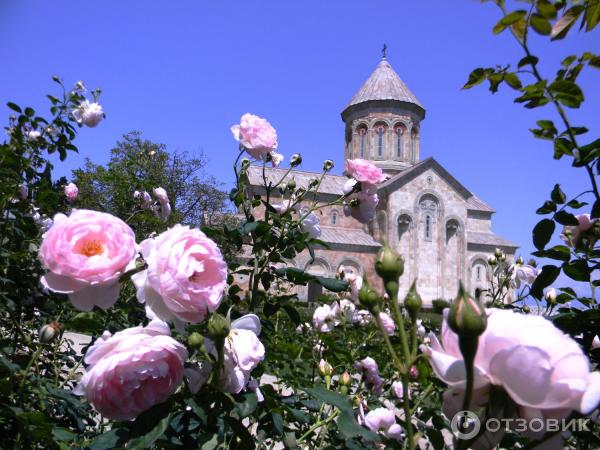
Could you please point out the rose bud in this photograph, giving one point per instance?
(492, 261)
(325, 369)
(327, 165)
(550, 296)
(296, 160)
(345, 379)
(526, 309)
(49, 332)
(218, 326)
(195, 340)
(291, 185)
(467, 316)
(367, 297)
(389, 264)
(413, 301)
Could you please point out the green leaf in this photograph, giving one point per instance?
(7, 367)
(349, 427)
(528, 60)
(151, 437)
(546, 277)
(540, 24)
(476, 77)
(512, 80)
(596, 210)
(577, 270)
(508, 20)
(546, 9)
(14, 107)
(85, 322)
(592, 14)
(564, 24)
(109, 439)
(330, 397)
(247, 405)
(559, 252)
(557, 195)
(565, 218)
(547, 208)
(293, 314)
(299, 276)
(562, 147)
(567, 92)
(542, 233)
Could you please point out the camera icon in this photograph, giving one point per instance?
(465, 424)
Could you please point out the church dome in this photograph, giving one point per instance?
(385, 85)
(383, 121)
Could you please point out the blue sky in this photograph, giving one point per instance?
(183, 72)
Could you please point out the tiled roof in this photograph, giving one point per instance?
(384, 84)
(331, 184)
(348, 236)
(488, 239)
(475, 203)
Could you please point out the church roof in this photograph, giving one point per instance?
(384, 84)
(331, 184)
(489, 238)
(348, 236)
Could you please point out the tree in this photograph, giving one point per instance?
(137, 164)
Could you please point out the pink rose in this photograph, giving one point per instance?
(355, 281)
(362, 205)
(571, 233)
(539, 367)
(388, 323)
(324, 319)
(522, 274)
(380, 419)
(86, 253)
(132, 370)
(89, 114)
(242, 352)
(276, 159)
(71, 192)
(163, 199)
(384, 420)
(256, 135)
(371, 373)
(186, 275)
(362, 317)
(364, 171)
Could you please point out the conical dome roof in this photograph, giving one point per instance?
(384, 84)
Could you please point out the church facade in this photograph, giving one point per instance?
(442, 230)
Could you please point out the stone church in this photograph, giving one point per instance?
(441, 228)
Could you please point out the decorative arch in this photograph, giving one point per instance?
(400, 136)
(318, 262)
(404, 223)
(413, 151)
(334, 217)
(453, 255)
(362, 141)
(479, 271)
(380, 132)
(351, 262)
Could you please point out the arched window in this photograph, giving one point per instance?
(363, 142)
(413, 145)
(404, 223)
(428, 227)
(478, 273)
(399, 136)
(429, 208)
(334, 218)
(380, 133)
